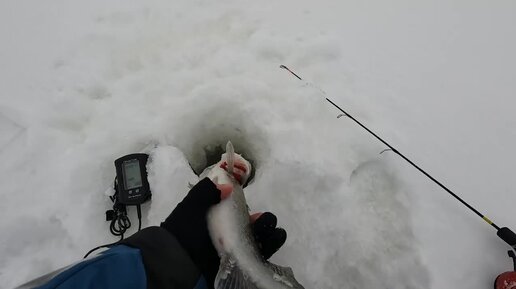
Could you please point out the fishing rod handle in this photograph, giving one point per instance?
(508, 236)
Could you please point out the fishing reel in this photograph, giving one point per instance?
(507, 280)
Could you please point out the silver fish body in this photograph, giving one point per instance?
(241, 264)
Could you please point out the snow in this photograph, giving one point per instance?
(85, 83)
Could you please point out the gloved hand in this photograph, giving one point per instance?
(266, 234)
(188, 224)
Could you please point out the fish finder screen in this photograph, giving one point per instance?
(132, 174)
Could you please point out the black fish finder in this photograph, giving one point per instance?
(131, 188)
(131, 176)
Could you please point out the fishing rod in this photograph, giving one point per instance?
(506, 234)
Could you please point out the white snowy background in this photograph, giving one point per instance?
(85, 82)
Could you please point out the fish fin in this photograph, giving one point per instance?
(284, 275)
(230, 276)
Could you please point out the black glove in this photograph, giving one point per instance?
(188, 224)
(267, 236)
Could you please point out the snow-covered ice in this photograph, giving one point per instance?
(85, 83)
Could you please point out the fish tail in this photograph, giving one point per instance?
(231, 276)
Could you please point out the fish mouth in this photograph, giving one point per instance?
(212, 154)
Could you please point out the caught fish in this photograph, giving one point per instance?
(241, 264)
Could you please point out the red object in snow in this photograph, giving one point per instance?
(506, 280)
